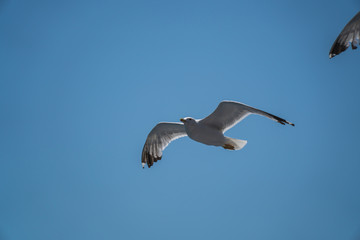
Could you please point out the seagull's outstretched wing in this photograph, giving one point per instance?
(229, 113)
(158, 139)
(350, 34)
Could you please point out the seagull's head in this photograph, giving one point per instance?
(188, 121)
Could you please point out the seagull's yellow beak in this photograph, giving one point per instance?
(182, 120)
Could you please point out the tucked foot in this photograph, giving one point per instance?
(228, 146)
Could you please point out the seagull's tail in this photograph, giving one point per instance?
(237, 143)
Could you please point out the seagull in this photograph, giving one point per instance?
(209, 131)
(350, 34)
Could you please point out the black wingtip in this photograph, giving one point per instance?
(283, 121)
(290, 123)
(148, 159)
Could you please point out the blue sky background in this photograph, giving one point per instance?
(83, 82)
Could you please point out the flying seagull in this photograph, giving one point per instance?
(350, 34)
(209, 130)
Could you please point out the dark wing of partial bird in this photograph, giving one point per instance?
(349, 35)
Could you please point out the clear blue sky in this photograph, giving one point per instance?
(83, 82)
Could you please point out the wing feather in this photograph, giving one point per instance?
(158, 139)
(229, 113)
(349, 35)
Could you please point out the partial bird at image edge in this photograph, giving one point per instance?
(349, 35)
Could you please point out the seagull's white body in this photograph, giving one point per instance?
(203, 133)
(209, 131)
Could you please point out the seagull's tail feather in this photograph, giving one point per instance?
(237, 143)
